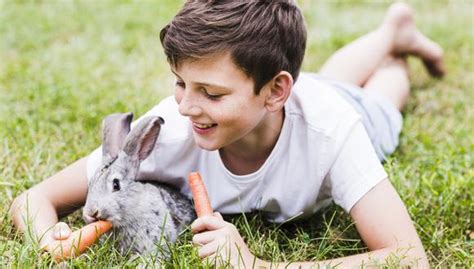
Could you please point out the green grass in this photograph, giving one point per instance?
(65, 65)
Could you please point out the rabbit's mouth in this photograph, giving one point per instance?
(89, 219)
(93, 216)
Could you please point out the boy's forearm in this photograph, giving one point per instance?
(54, 197)
(415, 258)
(33, 215)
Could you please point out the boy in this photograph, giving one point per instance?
(265, 137)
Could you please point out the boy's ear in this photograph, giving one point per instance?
(280, 89)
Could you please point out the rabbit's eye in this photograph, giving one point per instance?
(116, 184)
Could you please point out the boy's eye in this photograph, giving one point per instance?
(116, 184)
(180, 84)
(211, 96)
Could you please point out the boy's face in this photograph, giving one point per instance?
(219, 100)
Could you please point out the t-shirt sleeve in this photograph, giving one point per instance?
(356, 168)
(93, 162)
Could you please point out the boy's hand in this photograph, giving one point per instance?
(52, 240)
(221, 242)
(64, 244)
(60, 231)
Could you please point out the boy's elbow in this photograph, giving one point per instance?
(19, 205)
(420, 258)
(15, 207)
(417, 252)
(17, 202)
(20, 201)
(411, 255)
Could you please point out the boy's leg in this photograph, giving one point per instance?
(397, 34)
(390, 81)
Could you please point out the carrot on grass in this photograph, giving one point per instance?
(79, 241)
(201, 200)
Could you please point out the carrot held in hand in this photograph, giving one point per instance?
(79, 241)
(201, 200)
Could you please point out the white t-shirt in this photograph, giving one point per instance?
(323, 153)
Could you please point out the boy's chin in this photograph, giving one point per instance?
(206, 145)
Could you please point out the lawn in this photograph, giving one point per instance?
(64, 65)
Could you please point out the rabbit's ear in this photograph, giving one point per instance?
(115, 130)
(141, 140)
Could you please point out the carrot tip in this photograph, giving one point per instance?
(200, 197)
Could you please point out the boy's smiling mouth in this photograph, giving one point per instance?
(203, 129)
(203, 126)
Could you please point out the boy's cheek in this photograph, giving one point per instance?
(178, 95)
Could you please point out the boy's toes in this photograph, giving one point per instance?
(409, 40)
(432, 56)
(435, 68)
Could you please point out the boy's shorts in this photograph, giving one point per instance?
(382, 120)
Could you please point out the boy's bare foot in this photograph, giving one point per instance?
(409, 40)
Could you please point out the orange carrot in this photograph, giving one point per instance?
(79, 241)
(201, 200)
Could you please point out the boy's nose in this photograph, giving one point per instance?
(187, 106)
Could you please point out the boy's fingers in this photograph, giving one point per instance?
(218, 215)
(61, 231)
(203, 238)
(210, 261)
(208, 249)
(208, 223)
(45, 242)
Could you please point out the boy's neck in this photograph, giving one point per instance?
(249, 153)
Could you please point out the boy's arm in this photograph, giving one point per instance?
(381, 220)
(60, 194)
(386, 228)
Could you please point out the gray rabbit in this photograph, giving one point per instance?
(144, 215)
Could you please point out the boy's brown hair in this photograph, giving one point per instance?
(263, 37)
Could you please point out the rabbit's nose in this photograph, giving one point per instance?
(95, 214)
(92, 216)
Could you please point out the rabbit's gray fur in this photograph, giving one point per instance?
(144, 215)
